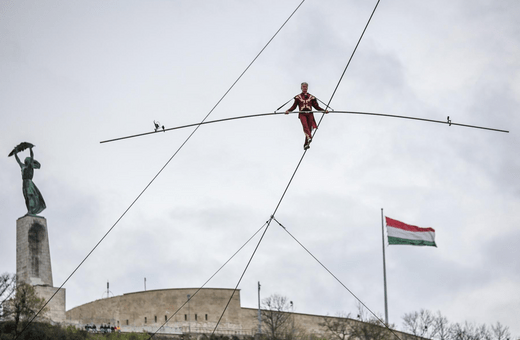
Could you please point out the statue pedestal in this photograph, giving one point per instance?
(33, 257)
(56, 308)
(33, 263)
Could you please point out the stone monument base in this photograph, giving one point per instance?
(33, 256)
(33, 264)
(56, 307)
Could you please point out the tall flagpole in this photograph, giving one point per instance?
(384, 266)
(259, 313)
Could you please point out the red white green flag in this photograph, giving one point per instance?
(402, 233)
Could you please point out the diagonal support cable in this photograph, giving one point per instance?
(305, 152)
(283, 195)
(165, 165)
(242, 276)
(348, 63)
(211, 277)
(336, 278)
(328, 105)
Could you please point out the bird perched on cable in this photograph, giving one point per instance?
(157, 125)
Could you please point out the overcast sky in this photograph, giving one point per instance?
(74, 73)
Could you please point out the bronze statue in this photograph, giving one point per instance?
(33, 198)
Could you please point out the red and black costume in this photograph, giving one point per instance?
(306, 102)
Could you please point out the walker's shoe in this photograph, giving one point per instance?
(306, 146)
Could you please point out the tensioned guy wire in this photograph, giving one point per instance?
(332, 96)
(328, 105)
(304, 153)
(294, 173)
(165, 165)
(350, 59)
(8, 296)
(7, 284)
(335, 277)
(243, 273)
(211, 277)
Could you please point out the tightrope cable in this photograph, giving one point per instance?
(297, 167)
(328, 105)
(304, 153)
(330, 100)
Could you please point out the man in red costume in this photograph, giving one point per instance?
(306, 102)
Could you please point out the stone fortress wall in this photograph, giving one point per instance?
(149, 310)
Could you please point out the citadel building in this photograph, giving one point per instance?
(165, 311)
(190, 311)
(149, 310)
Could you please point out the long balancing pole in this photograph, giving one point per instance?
(384, 266)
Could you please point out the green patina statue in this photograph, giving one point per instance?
(33, 198)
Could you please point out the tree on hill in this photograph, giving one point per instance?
(277, 320)
(23, 306)
(370, 327)
(421, 324)
(7, 288)
(442, 327)
(339, 327)
(436, 326)
(500, 332)
(365, 327)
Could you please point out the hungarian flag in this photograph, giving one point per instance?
(402, 233)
